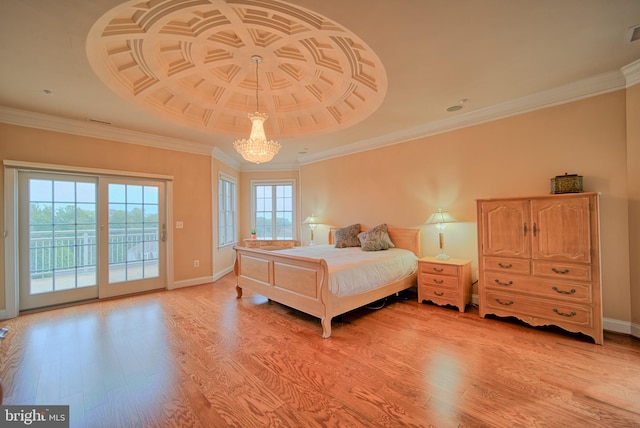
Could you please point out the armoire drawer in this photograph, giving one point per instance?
(570, 271)
(507, 265)
(536, 311)
(559, 290)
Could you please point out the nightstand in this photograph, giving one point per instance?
(444, 282)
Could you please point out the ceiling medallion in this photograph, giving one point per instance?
(189, 62)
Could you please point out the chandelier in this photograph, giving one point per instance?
(257, 148)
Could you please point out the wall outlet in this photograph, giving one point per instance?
(179, 225)
(196, 263)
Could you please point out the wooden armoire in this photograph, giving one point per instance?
(539, 261)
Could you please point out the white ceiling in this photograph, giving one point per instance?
(503, 56)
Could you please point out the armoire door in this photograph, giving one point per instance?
(561, 229)
(508, 228)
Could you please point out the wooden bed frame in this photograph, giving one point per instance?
(302, 283)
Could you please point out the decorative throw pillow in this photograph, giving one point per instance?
(348, 236)
(375, 239)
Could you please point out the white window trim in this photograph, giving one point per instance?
(273, 182)
(231, 179)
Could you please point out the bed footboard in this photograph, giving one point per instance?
(298, 282)
(302, 283)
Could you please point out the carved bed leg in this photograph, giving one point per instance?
(239, 291)
(326, 327)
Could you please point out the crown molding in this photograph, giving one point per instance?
(632, 73)
(270, 166)
(218, 154)
(590, 87)
(48, 122)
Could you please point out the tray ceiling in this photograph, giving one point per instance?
(190, 62)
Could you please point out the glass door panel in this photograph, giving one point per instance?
(135, 245)
(58, 239)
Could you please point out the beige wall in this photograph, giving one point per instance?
(191, 184)
(633, 166)
(404, 183)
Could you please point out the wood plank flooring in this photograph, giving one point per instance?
(199, 357)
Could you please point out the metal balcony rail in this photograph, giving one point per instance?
(70, 250)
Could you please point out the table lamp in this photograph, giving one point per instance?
(312, 221)
(440, 219)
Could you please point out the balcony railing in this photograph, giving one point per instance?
(67, 251)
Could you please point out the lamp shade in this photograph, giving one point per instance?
(440, 217)
(312, 219)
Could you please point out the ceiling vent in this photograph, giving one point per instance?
(634, 33)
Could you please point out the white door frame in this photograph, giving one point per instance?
(11, 221)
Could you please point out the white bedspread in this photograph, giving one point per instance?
(353, 271)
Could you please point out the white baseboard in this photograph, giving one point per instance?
(616, 326)
(6, 314)
(191, 282)
(635, 330)
(201, 280)
(222, 273)
(474, 299)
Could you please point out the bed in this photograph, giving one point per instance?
(303, 283)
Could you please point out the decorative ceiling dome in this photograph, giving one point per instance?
(189, 62)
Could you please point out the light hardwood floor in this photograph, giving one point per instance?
(198, 357)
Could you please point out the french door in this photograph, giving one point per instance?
(84, 237)
(133, 230)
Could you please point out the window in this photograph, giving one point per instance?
(134, 232)
(272, 209)
(61, 232)
(227, 230)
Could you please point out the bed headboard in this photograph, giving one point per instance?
(409, 239)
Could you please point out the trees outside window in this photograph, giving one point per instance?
(273, 209)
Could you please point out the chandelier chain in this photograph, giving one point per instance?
(257, 86)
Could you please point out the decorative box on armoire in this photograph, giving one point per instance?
(539, 261)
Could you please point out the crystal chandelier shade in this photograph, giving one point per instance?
(257, 148)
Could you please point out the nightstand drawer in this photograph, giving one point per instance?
(439, 296)
(439, 281)
(438, 269)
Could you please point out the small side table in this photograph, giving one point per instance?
(445, 282)
(270, 244)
